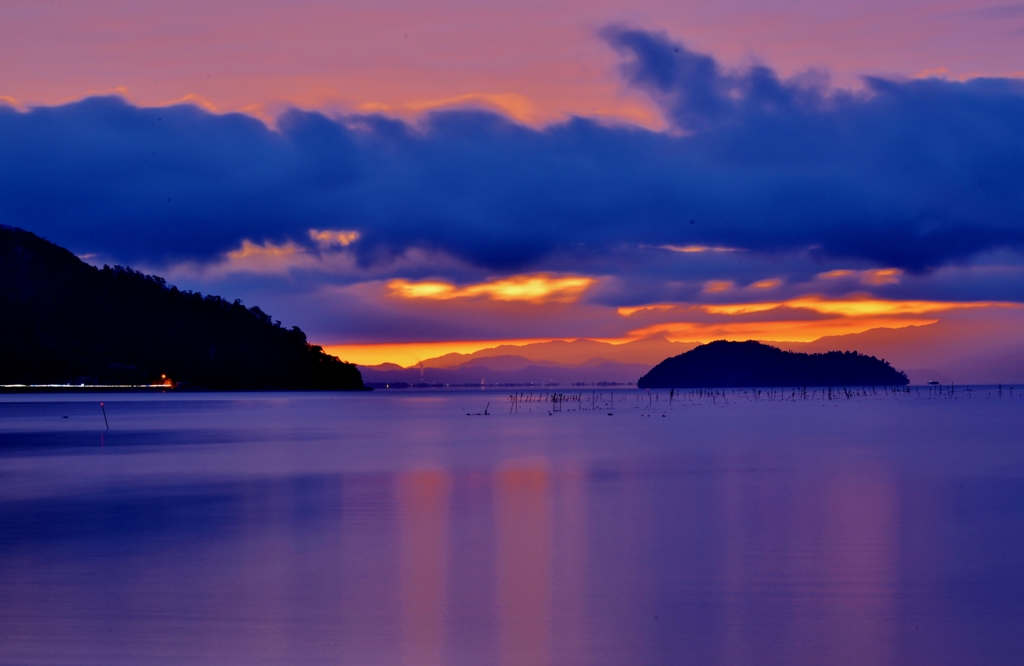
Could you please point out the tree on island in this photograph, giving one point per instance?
(722, 364)
(66, 321)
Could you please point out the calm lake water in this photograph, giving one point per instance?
(392, 528)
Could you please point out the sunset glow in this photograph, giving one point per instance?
(787, 320)
(773, 331)
(531, 288)
(801, 319)
(409, 354)
(845, 307)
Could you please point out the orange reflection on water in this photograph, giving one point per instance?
(424, 497)
(523, 508)
(849, 582)
(569, 602)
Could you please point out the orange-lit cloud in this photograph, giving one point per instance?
(851, 306)
(789, 331)
(515, 106)
(328, 238)
(656, 307)
(194, 99)
(836, 274)
(882, 276)
(797, 319)
(875, 277)
(946, 74)
(857, 306)
(269, 258)
(932, 72)
(250, 250)
(696, 249)
(264, 258)
(718, 286)
(334, 257)
(538, 288)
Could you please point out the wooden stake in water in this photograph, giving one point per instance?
(107, 423)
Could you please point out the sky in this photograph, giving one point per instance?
(404, 179)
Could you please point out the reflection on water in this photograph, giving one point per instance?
(423, 497)
(392, 529)
(522, 504)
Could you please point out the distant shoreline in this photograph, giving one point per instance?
(156, 388)
(563, 388)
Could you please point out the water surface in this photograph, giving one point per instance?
(392, 528)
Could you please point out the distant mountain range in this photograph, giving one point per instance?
(967, 349)
(963, 350)
(556, 362)
(646, 351)
(64, 321)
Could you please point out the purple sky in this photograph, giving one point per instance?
(347, 55)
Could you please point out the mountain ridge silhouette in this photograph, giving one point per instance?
(66, 321)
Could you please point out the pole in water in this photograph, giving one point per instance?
(105, 422)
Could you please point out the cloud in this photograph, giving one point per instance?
(531, 288)
(328, 238)
(690, 249)
(515, 106)
(718, 286)
(803, 318)
(905, 175)
(852, 306)
(697, 94)
(874, 277)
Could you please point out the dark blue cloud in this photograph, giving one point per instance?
(694, 91)
(913, 174)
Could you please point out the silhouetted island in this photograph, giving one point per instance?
(733, 364)
(64, 321)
